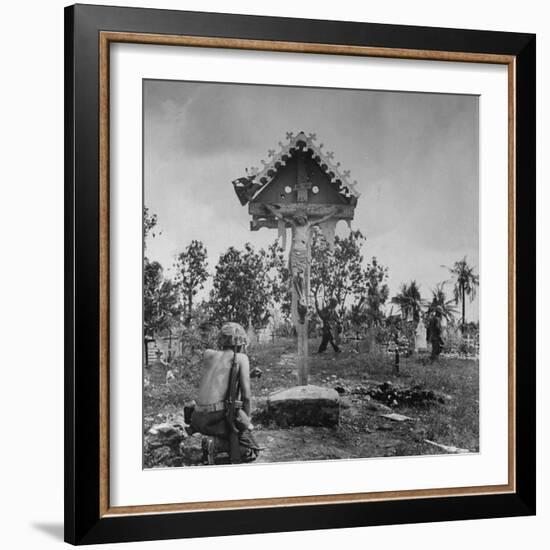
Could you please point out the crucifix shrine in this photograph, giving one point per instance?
(298, 188)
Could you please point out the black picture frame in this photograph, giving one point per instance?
(84, 524)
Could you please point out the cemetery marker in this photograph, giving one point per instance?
(299, 188)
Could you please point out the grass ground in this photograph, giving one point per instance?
(362, 432)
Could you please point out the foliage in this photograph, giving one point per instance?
(367, 311)
(191, 268)
(360, 291)
(339, 273)
(466, 283)
(409, 302)
(398, 334)
(149, 223)
(242, 287)
(466, 348)
(160, 300)
(439, 299)
(200, 333)
(280, 277)
(280, 323)
(193, 338)
(471, 328)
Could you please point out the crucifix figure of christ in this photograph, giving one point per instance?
(299, 188)
(299, 257)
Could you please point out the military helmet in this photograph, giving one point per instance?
(232, 334)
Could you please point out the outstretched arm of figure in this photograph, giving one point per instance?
(275, 212)
(333, 214)
(278, 215)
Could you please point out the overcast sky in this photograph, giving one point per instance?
(413, 155)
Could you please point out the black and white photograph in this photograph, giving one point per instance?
(275, 275)
(310, 274)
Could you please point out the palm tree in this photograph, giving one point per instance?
(466, 282)
(410, 302)
(439, 299)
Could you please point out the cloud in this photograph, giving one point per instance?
(413, 155)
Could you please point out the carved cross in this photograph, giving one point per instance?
(303, 183)
(302, 187)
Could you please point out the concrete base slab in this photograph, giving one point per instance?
(304, 406)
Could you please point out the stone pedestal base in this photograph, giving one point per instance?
(304, 406)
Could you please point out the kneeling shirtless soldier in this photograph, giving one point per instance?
(223, 401)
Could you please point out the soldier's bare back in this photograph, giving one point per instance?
(215, 376)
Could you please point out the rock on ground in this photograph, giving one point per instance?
(162, 445)
(304, 406)
(164, 435)
(375, 406)
(397, 417)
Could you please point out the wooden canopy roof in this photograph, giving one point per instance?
(249, 187)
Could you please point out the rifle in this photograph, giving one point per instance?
(231, 412)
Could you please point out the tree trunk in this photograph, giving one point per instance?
(463, 307)
(302, 329)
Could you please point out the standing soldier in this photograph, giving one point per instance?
(331, 323)
(434, 333)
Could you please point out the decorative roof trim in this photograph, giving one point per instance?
(264, 176)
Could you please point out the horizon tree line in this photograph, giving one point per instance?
(248, 284)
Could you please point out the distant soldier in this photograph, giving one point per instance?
(331, 326)
(158, 370)
(434, 333)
